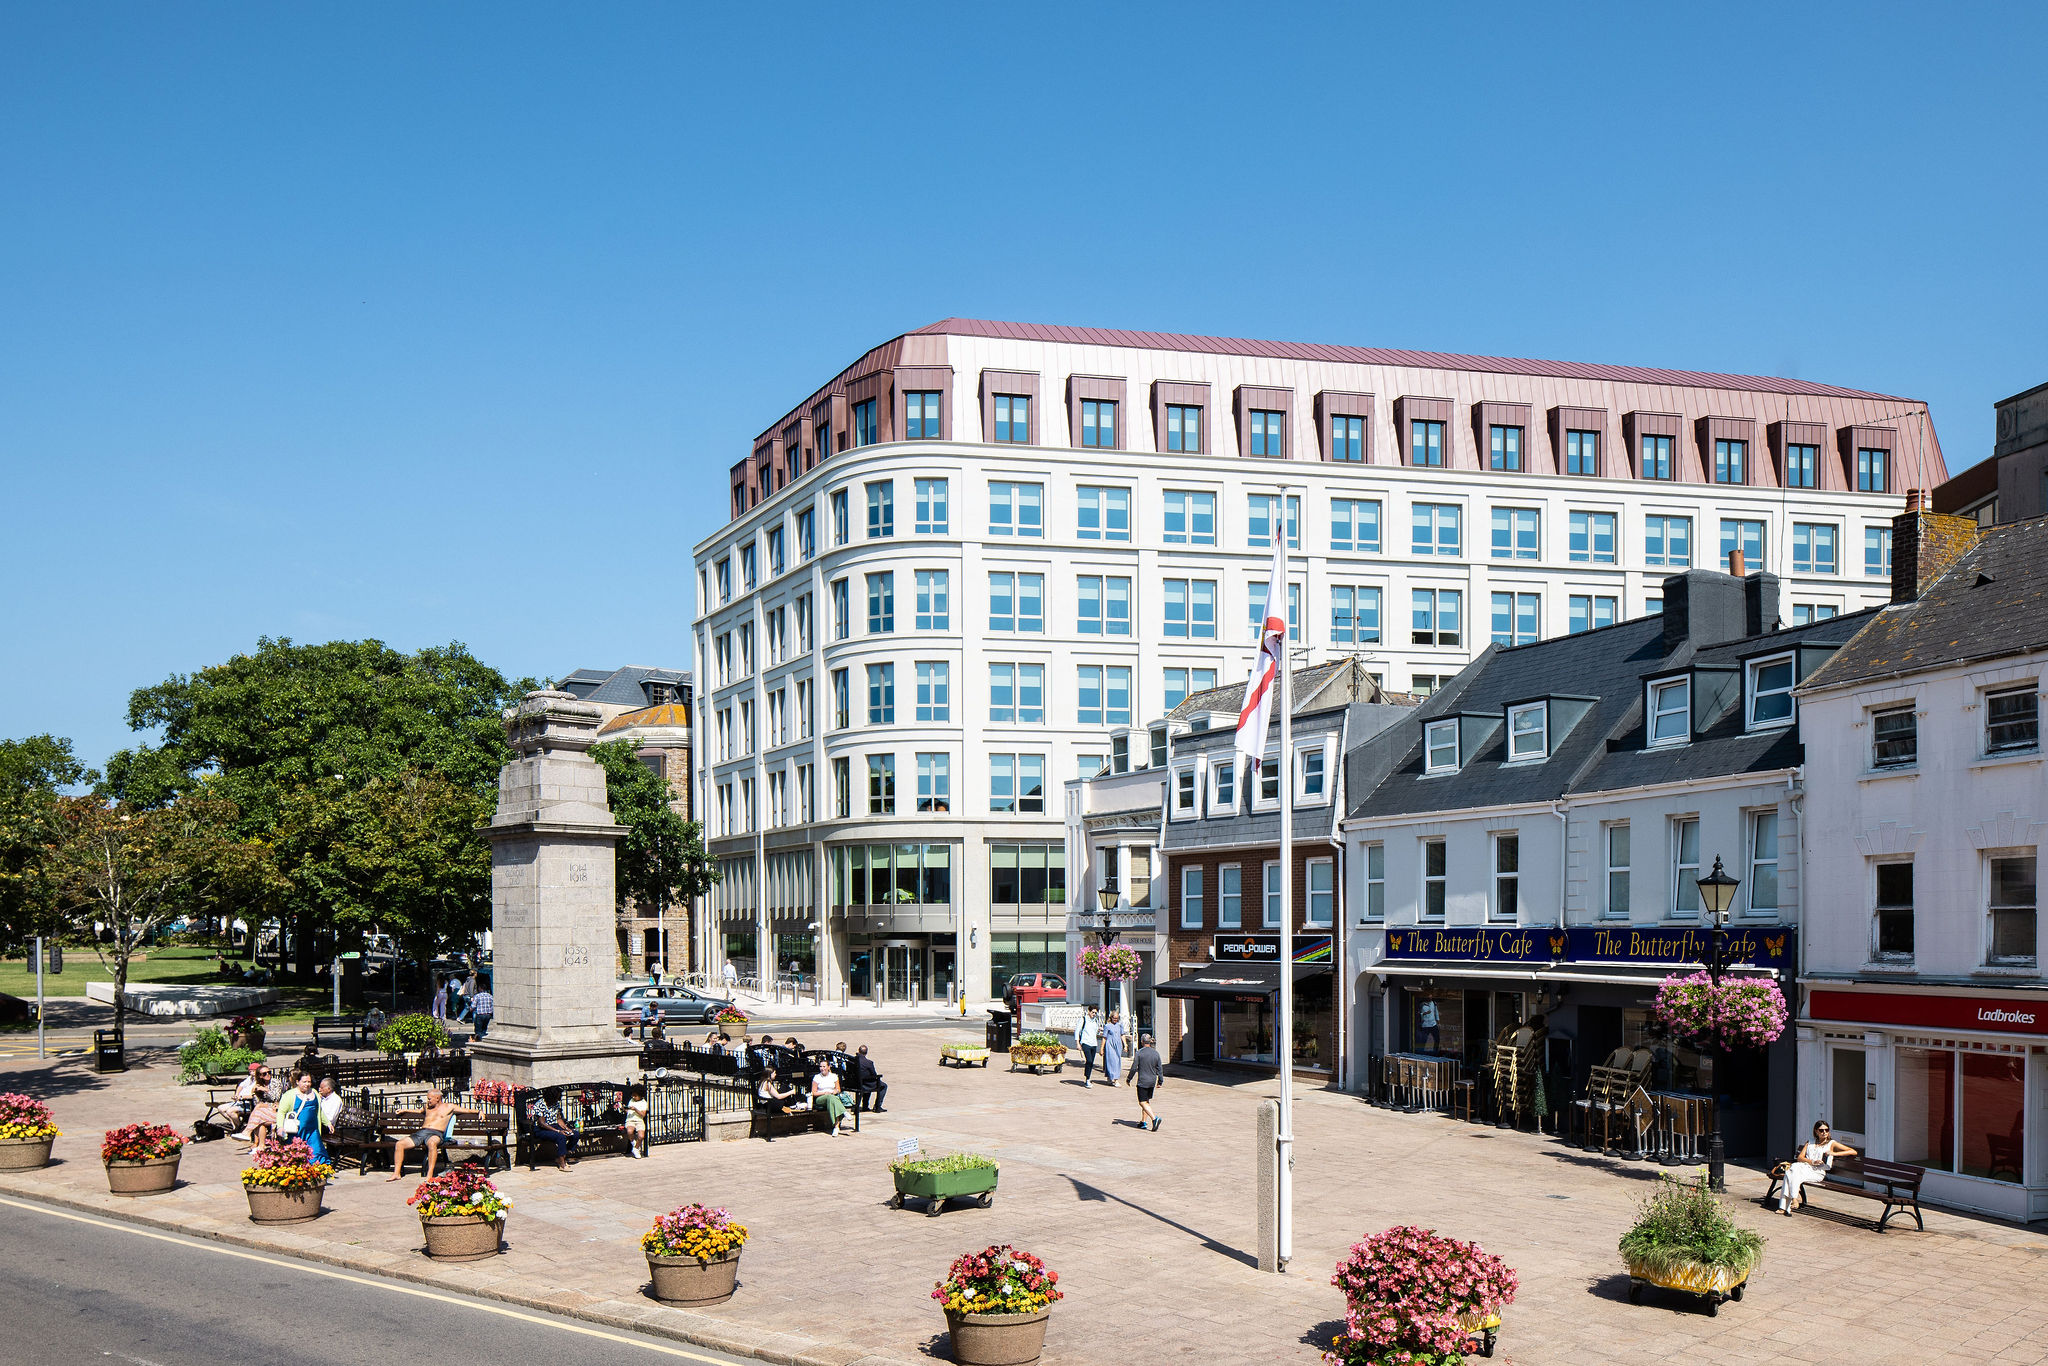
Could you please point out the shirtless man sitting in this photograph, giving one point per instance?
(433, 1124)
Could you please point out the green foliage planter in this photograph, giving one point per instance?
(411, 1034)
(935, 1180)
(212, 1056)
(1683, 1239)
(1038, 1050)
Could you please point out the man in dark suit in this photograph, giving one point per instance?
(867, 1082)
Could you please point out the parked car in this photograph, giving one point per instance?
(1027, 987)
(675, 1005)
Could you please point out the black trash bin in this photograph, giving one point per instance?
(108, 1052)
(1002, 1027)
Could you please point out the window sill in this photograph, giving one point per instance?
(2005, 760)
(2007, 972)
(1878, 775)
(1890, 969)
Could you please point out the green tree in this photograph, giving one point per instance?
(33, 773)
(662, 861)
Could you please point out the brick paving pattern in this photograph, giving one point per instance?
(1153, 1233)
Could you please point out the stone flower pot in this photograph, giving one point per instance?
(461, 1237)
(24, 1154)
(997, 1339)
(687, 1282)
(271, 1205)
(147, 1176)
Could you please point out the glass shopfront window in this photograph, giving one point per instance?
(739, 950)
(1314, 1022)
(1674, 1064)
(1435, 1023)
(1245, 1033)
(1961, 1111)
(892, 875)
(797, 953)
(1010, 954)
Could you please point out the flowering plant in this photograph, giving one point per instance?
(731, 1015)
(463, 1189)
(246, 1024)
(1414, 1296)
(140, 1143)
(997, 1280)
(1738, 1013)
(25, 1117)
(411, 1034)
(286, 1165)
(1111, 962)
(492, 1092)
(694, 1231)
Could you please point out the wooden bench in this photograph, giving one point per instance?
(595, 1110)
(344, 1030)
(1896, 1185)
(472, 1134)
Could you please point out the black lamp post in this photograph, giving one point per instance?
(1717, 894)
(1106, 932)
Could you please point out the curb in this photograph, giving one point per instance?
(646, 1317)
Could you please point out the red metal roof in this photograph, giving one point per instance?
(1374, 355)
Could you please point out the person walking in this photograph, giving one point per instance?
(1147, 1071)
(1113, 1038)
(437, 1003)
(298, 1116)
(1089, 1036)
(730, 975)
(481, 1007)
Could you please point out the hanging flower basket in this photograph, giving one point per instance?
(1736, 1014)
(1112, 963)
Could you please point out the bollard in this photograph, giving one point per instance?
(1267, 1191)
(845, 994)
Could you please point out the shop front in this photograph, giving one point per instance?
(1231, 1004)
(1953, 1081)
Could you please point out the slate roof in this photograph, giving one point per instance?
(1307, 688)
(621, 687)
(1990, 603)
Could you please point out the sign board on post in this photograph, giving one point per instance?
(905, 1147)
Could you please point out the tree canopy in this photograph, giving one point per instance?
(661, 858)
(33, 773)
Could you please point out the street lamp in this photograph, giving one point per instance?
(1717, 894)
(1107, 933)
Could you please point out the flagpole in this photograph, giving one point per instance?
(1284, 1140)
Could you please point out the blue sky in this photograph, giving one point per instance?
(443, 322)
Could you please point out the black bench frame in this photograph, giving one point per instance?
(1896, 1185)
(345, 1029)
(596, 1110)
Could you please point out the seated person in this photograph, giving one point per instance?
(435, 1123)
(636, 1120)
(825, 1096)
(1811, 1163)
(867, 1082)
(548, 1123)
(778, 1099)
(374, 1021)
(265, 1092)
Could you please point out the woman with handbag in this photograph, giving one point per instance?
(298, 1116)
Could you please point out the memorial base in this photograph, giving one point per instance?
(544, 1062)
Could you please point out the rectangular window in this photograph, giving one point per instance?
(842, 716)
(1442, 746)
(840, 533)
(1104, 605)
(1261, 511)
(932, 518)
(934, 782)
(1582, 452)
(881, 603)
(1104, 514)
(1435, 528)
(1016, 509)
(1310, 773)
(1802, 466)
(881, 784)
(1667, 541)
(2012, 720)
(1806, 613)
(1104, 695)
(1515, 618)
(1729, 457)
(1270, 885)
(1770, 692)
(1762, 889)
(1617, 871)
(807, 533)
(1013, 418)
(842, 787)
(1182, 684)
(1591, 539)
(1895, 738)
(747, 574)
(1190, 518)
(1893, 913)
(932, 611)
(1002, 693)
(725, 581)
(1223, 774)
(2012, 910)
(1017, 783)
(1528, 732)
(1671, 712)
(1269, 784)
(1433, 872)
(881, 509)
(842, 615)
(934, 690)
(1375, 883)
(1873, 470)
(1229, 897)
(867, 428)
(1354, 614)
(1183, 427)
(1589, 612)
(1190, 606)
(776, 562)
(1355, 525)
(1657, 457)
(1184, 792)
(1813, 548)
(1098, 423)
(1507, 878)
(1746, 536)
(921, 416)
(1347, 438)
(804, 715)
(1685, 868)
(881, 694)
(1436, 616)
(1515, 534)
(747, 650)
(1426, 443)
(1267, 428)
(1504, 448)
(1016, 602)
(1191, 898)
(1255, 609)
(1877, 551)
(1322, 893)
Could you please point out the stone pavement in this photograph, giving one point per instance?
(1153, 1234)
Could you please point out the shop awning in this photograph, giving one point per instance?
(1234, 981)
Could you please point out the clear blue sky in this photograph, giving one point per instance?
(443, 322)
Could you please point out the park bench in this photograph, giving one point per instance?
(595, 1110)
(1895, 1185)
(471, 1134)
(344, 1031)
(223, 1115)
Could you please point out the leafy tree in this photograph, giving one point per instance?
(662, 859)
(33, 772)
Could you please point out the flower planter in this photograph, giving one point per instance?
(272, 1205)
(962, 1055)
(24, 1154)
(1022, 1055)
(687, 1282)
(939, 1187)
(1483, 1330)
(997, 1339)
(146, 1176)
(1712, 1284)
(461, 1237)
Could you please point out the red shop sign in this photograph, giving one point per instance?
(1977, 1014)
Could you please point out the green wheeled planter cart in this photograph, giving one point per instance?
(936, 1188)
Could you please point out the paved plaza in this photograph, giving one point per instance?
(1153, 1233)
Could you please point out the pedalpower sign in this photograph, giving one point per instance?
(1974, 1014)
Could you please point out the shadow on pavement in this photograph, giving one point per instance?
(1084, 1191)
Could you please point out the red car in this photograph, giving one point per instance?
(1027, 987)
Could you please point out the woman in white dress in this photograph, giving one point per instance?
(1811, 1164)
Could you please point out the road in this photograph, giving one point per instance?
(75, 1289)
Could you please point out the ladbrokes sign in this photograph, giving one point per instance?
(1975, 1014)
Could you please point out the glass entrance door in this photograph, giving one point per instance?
(942, 970)
(900, 962)
(1849, 1096)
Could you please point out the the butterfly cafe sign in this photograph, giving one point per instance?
(1768, 946)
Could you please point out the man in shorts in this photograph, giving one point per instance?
(433, 1128)
(1148, 1070)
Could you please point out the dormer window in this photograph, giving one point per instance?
(1671, 712)
(1119, 754)
(1311, 774)
(1442, 747)
(1184, 792)
(1223, 776)
(1770, 692)
(1528, 732)
(1159, 747)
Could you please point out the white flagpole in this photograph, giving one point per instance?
(1285, 1137)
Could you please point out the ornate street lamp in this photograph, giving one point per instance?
(1106, 932)
(1717, 894)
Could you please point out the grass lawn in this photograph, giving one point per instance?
(183, 964)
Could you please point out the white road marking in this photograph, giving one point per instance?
(224, 1250)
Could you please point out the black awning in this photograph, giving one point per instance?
(1234, 981)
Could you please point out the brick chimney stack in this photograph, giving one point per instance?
(1735, 566)
(1924, 545)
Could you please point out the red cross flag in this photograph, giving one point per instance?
(1265, 680)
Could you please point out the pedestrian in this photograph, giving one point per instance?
(374, 1020)
(1113, 1037)
(435, 1121)
(481, 1007)
(298, 1116)
(457, 998)
(867, 1082)
(647, 1014)
(730, 975)
(654, 971)
(263, 1114)
(1089, 1035)
(330, 1106)
(1147, 1071)
(1811, 1163)
(437, 1003)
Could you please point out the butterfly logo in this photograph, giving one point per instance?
(1394, 943)
(1557, 942)
(1774, 946)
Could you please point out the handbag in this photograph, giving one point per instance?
(288, 1123)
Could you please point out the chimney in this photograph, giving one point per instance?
(1925, 545)
(1759, 602)
(1735, 562)
(1703, 608)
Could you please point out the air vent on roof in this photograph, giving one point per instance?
(1982, 579)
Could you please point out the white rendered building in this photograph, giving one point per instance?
(953, 572)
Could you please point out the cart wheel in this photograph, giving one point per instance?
(1736, 1293)
(1635, 1292)
(987, 1200)
(932, 1208)
(896, 1200)
(1486, 1350)
(1713, 1306)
